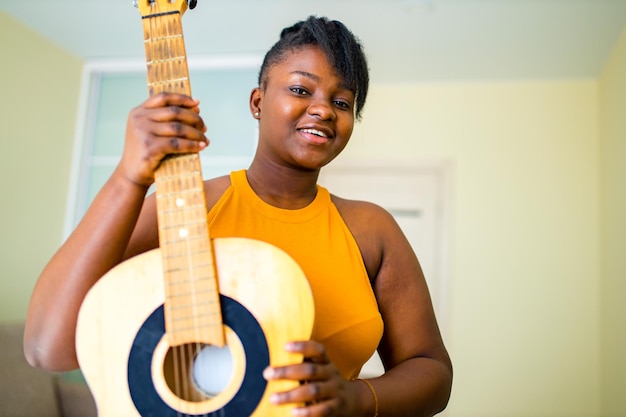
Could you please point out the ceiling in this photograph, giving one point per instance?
(406, 40)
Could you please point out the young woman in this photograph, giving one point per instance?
(368, 287)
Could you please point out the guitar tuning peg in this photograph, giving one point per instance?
(136, 3)
(191, 3)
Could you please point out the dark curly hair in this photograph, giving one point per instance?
(343, 49)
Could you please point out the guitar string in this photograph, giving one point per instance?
(189, 348)
(156, 70)
(190, 351)
(184, 355)
(164, 69)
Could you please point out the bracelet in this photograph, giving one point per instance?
(366, 382)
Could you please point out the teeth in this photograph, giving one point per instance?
(314, 132)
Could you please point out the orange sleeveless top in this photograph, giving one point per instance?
(347, 320)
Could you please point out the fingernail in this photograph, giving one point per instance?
(299, 412)
(275, 399)
(269, 373)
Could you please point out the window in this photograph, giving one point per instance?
(111, 90)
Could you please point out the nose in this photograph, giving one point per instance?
(322, 109)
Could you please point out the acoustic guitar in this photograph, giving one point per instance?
(187, 329)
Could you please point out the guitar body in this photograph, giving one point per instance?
(122, 349)
(187, 329)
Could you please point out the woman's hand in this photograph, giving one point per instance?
(164, 124)
(322, 388)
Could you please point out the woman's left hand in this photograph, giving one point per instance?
(323, 390)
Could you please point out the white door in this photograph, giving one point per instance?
(417, 195)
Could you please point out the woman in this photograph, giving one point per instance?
(368, 287)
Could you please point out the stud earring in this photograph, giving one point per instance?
(256, 115)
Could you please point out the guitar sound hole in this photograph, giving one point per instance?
(197, 372)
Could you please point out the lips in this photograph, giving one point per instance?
(318, 131)
(315, 132)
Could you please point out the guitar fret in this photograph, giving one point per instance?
(196, 267)
(193, 195)
(167, 176)
(172, 296)
(179, 187)
(181, 239)
(190, 157)
(199, 279)
(185, 254)
(166, 60)
(162, 38)
(193, 178)
(183, 211)
(192, 317)
(207, 304)
(184, 204)
(208, 279)
(193, 328)
(195, 190)
(167, 82)
(184, 224)
(197, 304)
(184, 233)
(188, 260)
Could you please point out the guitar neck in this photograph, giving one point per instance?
(166, 58)
(191, 293)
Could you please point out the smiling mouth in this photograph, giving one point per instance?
(315, 132)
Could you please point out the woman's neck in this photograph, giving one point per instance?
(283, 187)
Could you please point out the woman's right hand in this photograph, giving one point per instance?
(166, 123)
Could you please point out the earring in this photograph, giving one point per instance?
(256, 115)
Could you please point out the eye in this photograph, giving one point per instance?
(343, 104)
(299, 91)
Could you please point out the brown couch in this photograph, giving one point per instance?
(29, 392)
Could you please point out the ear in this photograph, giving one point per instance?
(256, 98)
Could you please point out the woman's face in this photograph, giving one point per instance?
(306, 114)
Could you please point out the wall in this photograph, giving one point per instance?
(613, 195)
(524, 320)
(39, 84)
(525, 290)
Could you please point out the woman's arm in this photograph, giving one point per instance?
(418, 377)
(97, 244)
(163, 124)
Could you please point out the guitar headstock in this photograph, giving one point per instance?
(151, 7)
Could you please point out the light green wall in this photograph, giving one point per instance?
(613, 197)
(525, 288)
(39, 85)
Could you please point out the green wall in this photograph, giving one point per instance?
(536, 321)
(613, 194)
(524, 296)
(39, 85)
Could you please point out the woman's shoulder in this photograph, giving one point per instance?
(359, 211)
(214, 188)
(370, 225)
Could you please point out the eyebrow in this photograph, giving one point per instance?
(317, 78)
(306, 74)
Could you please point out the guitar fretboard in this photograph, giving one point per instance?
(192, 309)
(165, 54)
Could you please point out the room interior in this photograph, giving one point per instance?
(522, 103)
